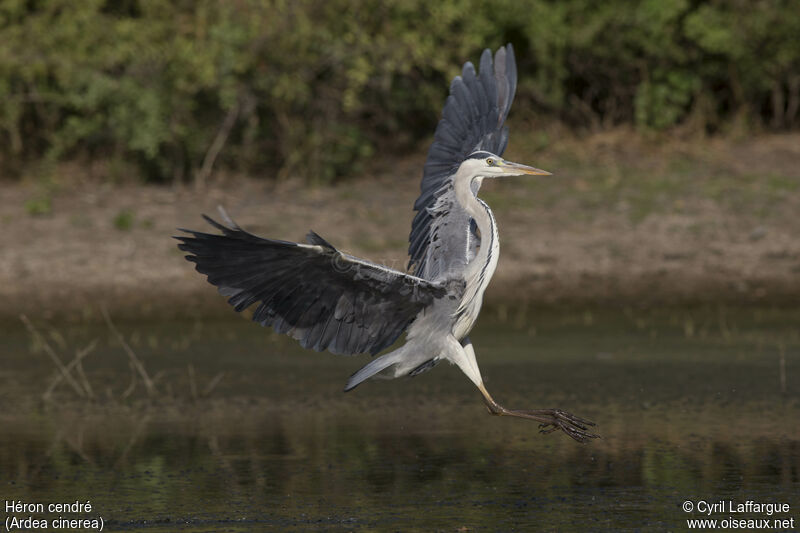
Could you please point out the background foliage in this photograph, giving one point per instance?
(313, 87)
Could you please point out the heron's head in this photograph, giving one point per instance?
(488, 165)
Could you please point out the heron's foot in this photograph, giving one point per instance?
(574, 426)
(550, 420)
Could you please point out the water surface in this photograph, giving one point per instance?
(244, 430)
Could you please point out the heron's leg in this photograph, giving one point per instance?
(550, 419)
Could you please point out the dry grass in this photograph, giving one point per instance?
(625, 219)
(72, 373)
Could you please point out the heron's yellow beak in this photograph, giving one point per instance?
(523, 169)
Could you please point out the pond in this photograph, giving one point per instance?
(243, 430)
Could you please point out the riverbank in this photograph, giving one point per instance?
(623, 221)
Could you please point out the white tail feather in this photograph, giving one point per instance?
(374, 367)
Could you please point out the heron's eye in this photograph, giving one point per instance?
(490, 162)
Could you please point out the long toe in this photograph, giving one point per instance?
(556, 419)
(550, 420)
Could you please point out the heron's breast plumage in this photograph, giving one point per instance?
(478, 274)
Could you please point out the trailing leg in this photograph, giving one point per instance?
(550, 420)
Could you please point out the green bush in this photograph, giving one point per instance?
(124, 220)
(315, 87)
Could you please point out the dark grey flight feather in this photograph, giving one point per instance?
(318, 295)
(472, 119)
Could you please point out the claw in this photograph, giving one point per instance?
(545, 429)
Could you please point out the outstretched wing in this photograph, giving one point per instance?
(318, 295)
(472, 119)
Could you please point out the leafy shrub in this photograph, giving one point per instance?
(39, 205)
(124, 219)
(315, 87)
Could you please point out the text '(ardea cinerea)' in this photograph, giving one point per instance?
(327, 299)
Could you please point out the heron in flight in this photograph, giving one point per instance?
(328, 299)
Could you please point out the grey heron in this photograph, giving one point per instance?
(328, 299)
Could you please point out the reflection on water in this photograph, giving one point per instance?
(691, 405)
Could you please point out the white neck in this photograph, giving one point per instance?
(480, 270)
